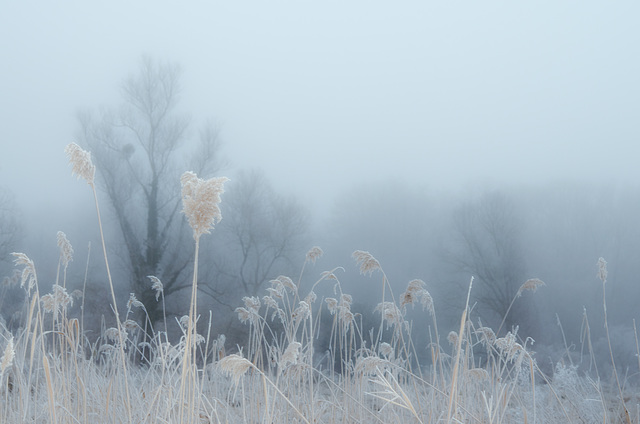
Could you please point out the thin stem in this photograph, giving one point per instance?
(115, 307)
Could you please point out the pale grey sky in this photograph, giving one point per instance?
(326, 94)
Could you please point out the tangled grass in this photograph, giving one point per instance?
(51, 373)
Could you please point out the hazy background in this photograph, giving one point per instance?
(328, 98)
(323, 95)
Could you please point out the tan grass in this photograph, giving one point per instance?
(51, 372)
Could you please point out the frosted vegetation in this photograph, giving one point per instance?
(51, 372)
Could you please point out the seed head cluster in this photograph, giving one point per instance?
(367, 262)
(29, 275)
(201, 199)
(66, 250)
(81, 163)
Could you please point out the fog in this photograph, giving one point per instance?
(389, 125)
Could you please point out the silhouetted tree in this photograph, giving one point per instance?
(263, 235)
(138, 150)
(488, 246)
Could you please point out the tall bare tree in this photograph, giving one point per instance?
(489, 246)
(139, 149)
(263, 234)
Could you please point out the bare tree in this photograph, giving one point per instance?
(488, 246)
(262, 235)
(138, 149)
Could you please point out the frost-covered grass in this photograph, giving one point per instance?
(50, 372)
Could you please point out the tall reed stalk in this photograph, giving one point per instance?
(200, 199)
(84, 168)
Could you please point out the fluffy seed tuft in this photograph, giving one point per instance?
(200, 200)
(80, 161)
(7, 357)
(66, 251)
(602, 270)
(157, 286)
(367, 262)
(235, 365)
(314, 253)
(531, 284)
(290, 355)
(28, 273)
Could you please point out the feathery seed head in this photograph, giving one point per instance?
(112, 334)
(487, 335)
(602, 270)
(390, 312)
(385, 349)
(184, 321)
(314, 253)
(130, 325)
(311, 297)
(81, 163)
(531, 284)
(346, 316)
(7, 357)
(56, 301)
(508, 346)
(245, 315)
(407, 299)
(48, 304)
(367, 365)
(427, 301)
(416, 292)
(287, 282)
(276, 292)
(302, 312)
(252, 303)
(328, 275)
(290, 355)
(200, 200)
(270, 302)
(452, 338)
(235, 365)
(66, 251)
(332, 305)
(478, 374)
(157, 285)
(367, 262)
(133, 302)
(415, 286)
(28, 273)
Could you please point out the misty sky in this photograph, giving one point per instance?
(326, 95)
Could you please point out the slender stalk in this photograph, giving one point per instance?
(115, 309)
(456, 365)
(188, 359)
(613, 364)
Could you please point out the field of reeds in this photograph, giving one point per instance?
(50, 372)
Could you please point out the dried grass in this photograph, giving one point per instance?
(57, 375)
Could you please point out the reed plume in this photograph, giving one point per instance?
(83, 167)
(200, 202)
(28, 276)
(200, 199)
(66, 250)
(81, 163)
